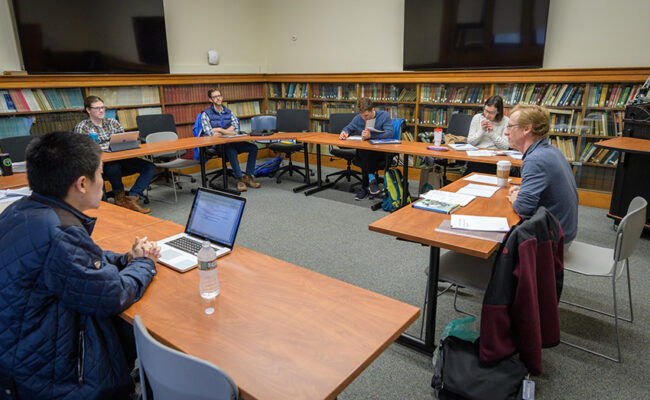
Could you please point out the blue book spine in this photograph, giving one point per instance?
(10, 103)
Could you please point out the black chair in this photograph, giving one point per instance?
(336, 124)
(458, 126)
(15, 146)
(155, 123)
(290, 121)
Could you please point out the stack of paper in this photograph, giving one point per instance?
(478, 190)
(462, 146)
(448, 197)
(480, 153)
(445, 227)
(490, 180)
(479, 223)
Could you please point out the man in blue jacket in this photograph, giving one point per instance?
(60, 294)
(369, 160)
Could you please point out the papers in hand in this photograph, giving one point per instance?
(478, 190)
(490, 180)
(448, 197)
(370, 125)
(478, 223)
(462, 146)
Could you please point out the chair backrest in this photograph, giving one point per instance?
(153, 123)
(293, 120)
(163, 137)
(459, 124)
(263, 122)
(339, 121)
(398, 125)
(16, 146)
(175, 375)
(630, 229)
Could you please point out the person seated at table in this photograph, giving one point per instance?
(546, 176)
(487, 131)
(104, 128)
(369, 160)
(62, 294)
(218, 120)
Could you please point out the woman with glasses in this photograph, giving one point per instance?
(487, 128)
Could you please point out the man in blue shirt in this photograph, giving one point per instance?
(369, 160)
(218, 120)
(546, 176)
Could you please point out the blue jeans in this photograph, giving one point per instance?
(115, 170)
(232, 149)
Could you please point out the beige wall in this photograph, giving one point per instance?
(360, 35)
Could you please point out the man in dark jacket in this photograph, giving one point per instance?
(60, 294)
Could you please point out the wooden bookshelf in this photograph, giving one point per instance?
(426, 99)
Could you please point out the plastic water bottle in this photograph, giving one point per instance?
(208, 278)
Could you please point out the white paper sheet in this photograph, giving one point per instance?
(478, 190)
(479, 223)
(462, 146)
(448, 197)
(490, 180)
(480, 153)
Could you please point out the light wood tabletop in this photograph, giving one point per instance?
(629, 144)
(279, 330)
(114, 220)
(17, 180)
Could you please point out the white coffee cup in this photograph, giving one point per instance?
(437, 138)
(503, 172)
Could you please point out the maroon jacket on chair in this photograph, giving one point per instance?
(520, 307)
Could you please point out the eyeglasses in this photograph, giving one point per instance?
(217, 96)
(98, 108)
(510, 126)
(485, 110)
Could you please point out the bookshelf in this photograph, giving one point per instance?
(586, 104)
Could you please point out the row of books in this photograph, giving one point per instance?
(44, 123)
(199, 93)
(290, 90)
(565, 145)
(434, 116)
(245, 108)
(565, 121)
(442, 93)
(596, 178)
(127, 117)
(603, 123)
(126, 95)
(407, 136)
(591, 153)
(319, 126)
(386, 92)
(399, 111)
(334, 92)
(185, 113)
(327, 109)
(611, 95)
(15, 126)
(550, 95)
(275, 105)
(24, 100)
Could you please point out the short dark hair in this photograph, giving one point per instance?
(88, 101)
(497, 102)
(365, 104)
(57, 159)
(212, 90)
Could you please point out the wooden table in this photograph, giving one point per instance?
(279, 330)
(418, 226)
(17, 180)
(114, 221)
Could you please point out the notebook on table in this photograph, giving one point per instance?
(215, 216)
(123, 141)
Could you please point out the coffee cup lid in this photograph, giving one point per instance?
(503, 163)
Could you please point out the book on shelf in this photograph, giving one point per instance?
(445, 227)
(436, 206)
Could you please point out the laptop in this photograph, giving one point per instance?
(215, 216)
(124, 141)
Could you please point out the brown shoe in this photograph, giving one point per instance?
(135, 206)
(120, 199)
(250, 182)
(241, 185)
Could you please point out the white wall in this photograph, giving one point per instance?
(360, 35)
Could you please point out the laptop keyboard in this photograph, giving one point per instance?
(188, 245)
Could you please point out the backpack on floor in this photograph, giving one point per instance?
(393, 187)
(269, 167)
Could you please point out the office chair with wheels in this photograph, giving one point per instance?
(290, 121)
(148, 124)
(336, 124)
(398, 126)
(263, 123)
(210, 152)
(169, 161)
(594, 261)
(169, 374)
(15, 146)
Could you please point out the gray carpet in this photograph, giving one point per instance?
(328, 232)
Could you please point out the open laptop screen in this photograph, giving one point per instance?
(216, 216)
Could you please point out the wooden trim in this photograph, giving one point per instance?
(457, 76)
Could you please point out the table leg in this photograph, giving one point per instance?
(319, 181)
(427, 346)
(202, 161)
(308, 183)
(405, 183)
(224, 167)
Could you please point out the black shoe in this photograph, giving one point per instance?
(362, 193)
(374, 187)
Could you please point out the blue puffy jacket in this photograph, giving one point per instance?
(59, 293)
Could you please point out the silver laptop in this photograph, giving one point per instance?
(124, 141)
(215, 216)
